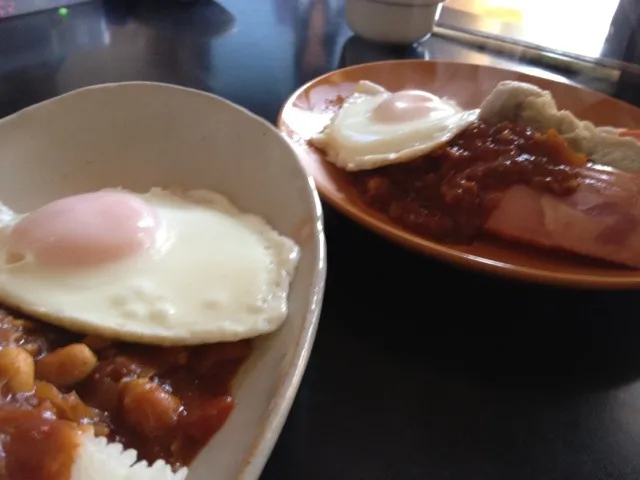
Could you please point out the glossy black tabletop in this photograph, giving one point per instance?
(419, 370)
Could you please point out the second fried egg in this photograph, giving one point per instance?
(375, 127)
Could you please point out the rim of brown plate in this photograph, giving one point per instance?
(605, 277)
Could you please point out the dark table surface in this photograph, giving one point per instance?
(419, 370)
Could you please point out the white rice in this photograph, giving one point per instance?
(99, 460)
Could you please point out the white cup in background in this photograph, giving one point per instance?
(401, 22)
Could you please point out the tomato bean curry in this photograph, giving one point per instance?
(164, 402)
(449, 193)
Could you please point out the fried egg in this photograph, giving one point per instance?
(375, 127)
(162, 268)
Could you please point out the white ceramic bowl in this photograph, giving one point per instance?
(400, 22)
(139, 135)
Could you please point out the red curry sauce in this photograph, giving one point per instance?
(449, 193)
(164, 402)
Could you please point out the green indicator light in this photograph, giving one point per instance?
(63, 12)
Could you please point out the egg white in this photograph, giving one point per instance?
(216, 274)
(353, 140)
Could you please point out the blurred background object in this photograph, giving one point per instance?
(598, 40)
(623, 42)
(572, 26)
(60, 49)
(357, 50)
(397, 22)
(12, 8)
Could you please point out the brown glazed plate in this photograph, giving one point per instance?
(308, 110)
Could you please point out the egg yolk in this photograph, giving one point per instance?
(409, 105)
(84, 230)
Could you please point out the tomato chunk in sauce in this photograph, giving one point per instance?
(54, 385)
(448, 194)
